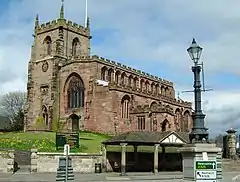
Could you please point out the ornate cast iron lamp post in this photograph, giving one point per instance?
(199, 133)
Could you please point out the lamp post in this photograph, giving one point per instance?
(199, 133)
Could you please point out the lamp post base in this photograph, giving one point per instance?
(198, 136)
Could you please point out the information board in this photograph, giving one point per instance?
(67, 138)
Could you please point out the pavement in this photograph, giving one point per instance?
(109, 177)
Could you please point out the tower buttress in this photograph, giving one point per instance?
(55, 42)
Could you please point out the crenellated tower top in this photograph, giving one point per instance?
(62, 22)
(61, 37)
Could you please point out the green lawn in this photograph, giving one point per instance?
(45, 141)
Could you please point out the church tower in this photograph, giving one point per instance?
(55, 42)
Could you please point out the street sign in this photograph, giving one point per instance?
(206, 174)
(208, 180)
(203, 165)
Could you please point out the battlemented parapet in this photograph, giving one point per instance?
(55, 24)
(116, 65)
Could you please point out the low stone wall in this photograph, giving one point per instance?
(6, 161)
(81, 162)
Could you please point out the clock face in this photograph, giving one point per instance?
(45, 66)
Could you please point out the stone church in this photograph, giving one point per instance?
(69, 89)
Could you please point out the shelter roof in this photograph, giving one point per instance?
(167, 138)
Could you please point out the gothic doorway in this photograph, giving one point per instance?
(75, 122)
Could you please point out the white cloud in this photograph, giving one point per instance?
(146, 32)
(222, 110)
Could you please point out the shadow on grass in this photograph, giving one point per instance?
(83, 138)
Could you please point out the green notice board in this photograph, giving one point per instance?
(67, 138)
(205, 165)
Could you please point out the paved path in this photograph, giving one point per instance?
(106, 177)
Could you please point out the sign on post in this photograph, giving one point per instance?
(206, 171)
(206, 174)
(202, 165)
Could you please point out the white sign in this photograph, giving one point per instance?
(208, 180)
(206, 175)
(66, 149)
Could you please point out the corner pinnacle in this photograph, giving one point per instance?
(88, 22)
(36, 21)
(62, 10)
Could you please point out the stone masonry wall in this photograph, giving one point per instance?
(82, 163)
(6, 161)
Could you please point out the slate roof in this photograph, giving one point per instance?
(145, 138)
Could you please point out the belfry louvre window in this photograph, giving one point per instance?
(75, 93)
(141, 123)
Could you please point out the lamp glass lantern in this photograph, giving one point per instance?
(195, 51)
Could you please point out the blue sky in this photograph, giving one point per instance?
(149, 35)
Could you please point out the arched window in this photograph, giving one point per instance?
(166, 91)
(153, 104)
(45, 115)
(125, 105)
(147, 86)
(157, 89)
(153, 90)
(75, 43)
(130, 81)
(75, 92)
(178, 118)
(48, 43)
(110, 75)
(141, 85)
(123, 79)
(135, 83)
(104, 74)
(117, 75)
(163, 91)
(164, 125)
(186, 120)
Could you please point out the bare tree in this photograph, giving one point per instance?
(12, 106)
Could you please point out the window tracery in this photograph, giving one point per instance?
(75, 92)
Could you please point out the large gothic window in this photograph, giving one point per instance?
(125, 105)
(75, 92)
(48, 43)
(75, 43)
